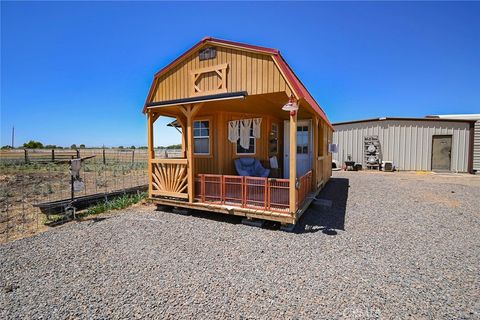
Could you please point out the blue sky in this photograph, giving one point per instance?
(79, 72)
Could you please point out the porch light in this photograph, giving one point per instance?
(291, 106)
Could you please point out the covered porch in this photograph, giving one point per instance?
(205, 177)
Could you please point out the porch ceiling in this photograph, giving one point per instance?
(268, 104)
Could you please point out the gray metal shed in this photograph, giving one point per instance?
(408, 141)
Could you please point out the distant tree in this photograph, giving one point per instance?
(51, 146)
(82, 146)
(132, 147)
(175, 146)
(142, 147)
(6, 147)
(73, 146)
(33, 144)
(120, 147)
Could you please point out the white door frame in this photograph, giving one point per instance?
(303, 164)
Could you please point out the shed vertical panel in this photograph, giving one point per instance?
(414, 147)
(476, 147)
(408, 147)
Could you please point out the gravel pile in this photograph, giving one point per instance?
(392, 246)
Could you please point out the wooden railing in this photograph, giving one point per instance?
(169, 177)
(245, 192)
(305, 187)
(267, 194)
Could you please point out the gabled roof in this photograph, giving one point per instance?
(296, 85)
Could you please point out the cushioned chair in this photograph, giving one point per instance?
(250, 167)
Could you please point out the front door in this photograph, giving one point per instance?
(441, 153)
(304, 147)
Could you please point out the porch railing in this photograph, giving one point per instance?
(304, 188)
(250, 192)
(169, 177)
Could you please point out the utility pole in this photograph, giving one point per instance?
(13, 137)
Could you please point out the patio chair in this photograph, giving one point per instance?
(250, 167)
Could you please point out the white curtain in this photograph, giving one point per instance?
(257, 127)
(233, 131)
(245, 126)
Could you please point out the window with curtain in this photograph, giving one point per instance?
(251, 147)
(201, 137)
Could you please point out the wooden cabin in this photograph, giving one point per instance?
(215, 90)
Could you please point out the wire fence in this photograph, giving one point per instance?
(30, 177)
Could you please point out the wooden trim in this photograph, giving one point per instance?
(287, 81)
(238, 211)
(221, 72)
(315, 166)
(210, 136)
(170, 161)
(293, 164)
(170, 194)
(151, 151)
(209, 69)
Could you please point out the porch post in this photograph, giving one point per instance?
(190, 160)
(151, 150)
(315, 154)
(293, 164)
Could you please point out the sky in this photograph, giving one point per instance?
(79, 72)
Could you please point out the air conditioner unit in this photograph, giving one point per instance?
(387, 166)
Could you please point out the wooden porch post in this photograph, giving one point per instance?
(293, 165)
(190, 111)
(151, 150)
(190, 159)
(315, 154)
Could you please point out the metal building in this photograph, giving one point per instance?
(476, 134)
(411, 143)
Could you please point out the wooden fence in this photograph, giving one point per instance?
(54, 155)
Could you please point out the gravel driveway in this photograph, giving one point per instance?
(394, 245)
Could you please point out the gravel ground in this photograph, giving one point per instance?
(393, 246)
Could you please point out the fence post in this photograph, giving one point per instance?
(104, 161)
(133, 156)
(78, 153)
(26, 155)
(53, 155)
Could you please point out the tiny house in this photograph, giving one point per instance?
(254, 140)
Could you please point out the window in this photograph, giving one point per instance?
(251, 147)
(201, 137)
(302, 140)
(273, 140)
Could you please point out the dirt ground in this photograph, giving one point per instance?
(23, 186)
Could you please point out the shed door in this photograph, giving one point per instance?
(441, 153)
(304, 148)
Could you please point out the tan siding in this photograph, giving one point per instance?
(224, 152)
(251, 72)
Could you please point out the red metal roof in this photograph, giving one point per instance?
(297, 86)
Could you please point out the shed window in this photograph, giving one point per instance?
(251, 148)
(201, 137)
